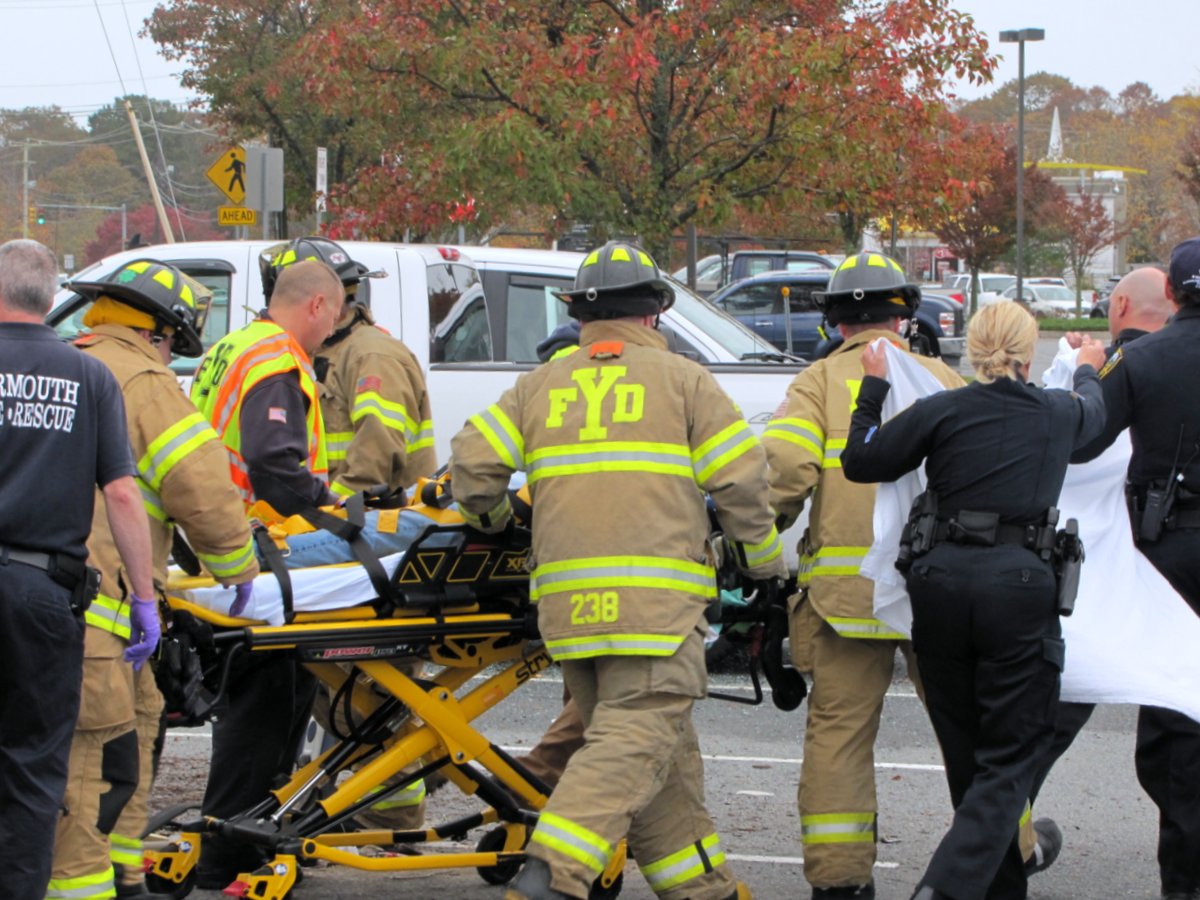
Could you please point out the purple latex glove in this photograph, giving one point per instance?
(144, 631)
(244, 592)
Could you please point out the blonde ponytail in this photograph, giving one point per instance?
(1000, 340)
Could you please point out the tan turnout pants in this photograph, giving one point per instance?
(638, 774)
(101, 772)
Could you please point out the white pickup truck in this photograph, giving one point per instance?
(472, 315)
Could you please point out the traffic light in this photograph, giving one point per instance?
(41, 216)
(32, 215)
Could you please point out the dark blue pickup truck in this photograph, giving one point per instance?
(758, 303)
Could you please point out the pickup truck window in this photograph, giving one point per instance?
(757, 299)
(463, 334)
(531, 311)
(738, 340)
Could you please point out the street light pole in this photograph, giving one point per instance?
(1019, 38)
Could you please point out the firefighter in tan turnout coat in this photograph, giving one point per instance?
(834, 633)
(139, 315)
(378, 422)
(619, 441)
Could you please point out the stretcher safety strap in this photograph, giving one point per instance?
(692, 861)
(838, 828)
(274, 560)
(565, 837)
(99, 886)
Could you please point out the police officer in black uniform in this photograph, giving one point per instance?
(985, 613)
(1138, 306)
(1149, 387)
(62, 434)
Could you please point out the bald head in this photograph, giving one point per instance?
(306, 302)
(1140, 301)
(301, 281)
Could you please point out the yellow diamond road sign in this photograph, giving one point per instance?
(229, 174)
(236, 215)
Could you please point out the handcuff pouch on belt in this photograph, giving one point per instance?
(82, 580)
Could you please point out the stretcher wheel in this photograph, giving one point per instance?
(493, 842)
(161, 887)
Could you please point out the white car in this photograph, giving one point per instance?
(990, 285)
(1047, 300)
(710, 274)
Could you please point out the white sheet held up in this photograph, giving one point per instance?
(1132, 638)
(910, 381)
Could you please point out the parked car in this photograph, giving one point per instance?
(1045, 300)
(710, 274)
(990, 285)
(746, 263)
(758, 303)
(1100, 308)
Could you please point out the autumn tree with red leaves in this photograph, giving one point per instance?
(637, 117)
(1085, 229)
(977, 219)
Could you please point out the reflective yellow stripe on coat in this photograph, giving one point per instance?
(109, 614)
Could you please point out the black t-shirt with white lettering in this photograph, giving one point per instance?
(62, 434)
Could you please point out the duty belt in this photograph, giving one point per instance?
(43, 561)
(961, 530)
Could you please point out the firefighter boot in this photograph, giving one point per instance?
(1049, 845)
(533, 883)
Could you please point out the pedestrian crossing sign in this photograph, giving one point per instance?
(228, 173)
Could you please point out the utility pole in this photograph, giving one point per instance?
(158, 204)
(25, 190)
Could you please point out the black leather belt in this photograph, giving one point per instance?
(42, 561)
(1033, 537)
(1183, 518)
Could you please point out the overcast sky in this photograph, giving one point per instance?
(54, 52)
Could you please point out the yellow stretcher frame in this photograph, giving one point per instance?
(464, 642)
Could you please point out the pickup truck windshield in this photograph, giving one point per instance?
(736, 338)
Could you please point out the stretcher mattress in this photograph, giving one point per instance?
(313, 590)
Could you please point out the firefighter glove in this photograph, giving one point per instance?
(144, 631)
